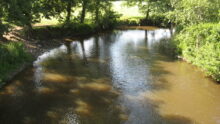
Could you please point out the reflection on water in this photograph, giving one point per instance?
(123, 77)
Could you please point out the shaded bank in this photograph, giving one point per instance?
(43, 38)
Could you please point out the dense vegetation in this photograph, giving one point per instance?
(200, 45)
(196, 22)
(12, 55)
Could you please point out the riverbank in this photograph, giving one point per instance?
(49, 37)
(199, 45)
(42, 40)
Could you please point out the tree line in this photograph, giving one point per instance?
(25, 13)
(179, 12)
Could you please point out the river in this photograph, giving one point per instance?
(121, 77)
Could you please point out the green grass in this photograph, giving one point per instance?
(44, 21)
(12, 56)
(128, 13)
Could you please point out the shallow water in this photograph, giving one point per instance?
(123, 77)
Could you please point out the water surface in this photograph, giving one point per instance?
(123, 77)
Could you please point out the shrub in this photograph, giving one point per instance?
(60, 31)
(108, 21)
(200, 45)
(156, 20)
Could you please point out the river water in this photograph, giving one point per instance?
(121, 77)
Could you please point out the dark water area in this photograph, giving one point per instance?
(123, 77)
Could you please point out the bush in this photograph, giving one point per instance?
(12, 55)
(60, 31)
(108, 21)
(200, 45)
(156, 20)
(81, 29)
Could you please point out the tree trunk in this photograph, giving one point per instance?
(97, 12)
(147, 16)
(1, 31)
(28, 30)
(83, 14)
(171, 28)
(68, 10)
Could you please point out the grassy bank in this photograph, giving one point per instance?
(12, 56)
(200, 45)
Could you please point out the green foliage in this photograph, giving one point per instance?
(60, 9)
(12, 55)
(180, 12)
(60, 31)
(157, 20)
(24, 12)
(199, 44)
(189, 12)
(108, 20)
(79, 28)
(3, 14)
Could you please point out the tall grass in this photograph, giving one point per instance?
(12, 55)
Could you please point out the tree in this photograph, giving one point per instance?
(56, 9)
(69, 10)
(24, 13)
(3, 16)
(98, 8)
(83, 12)
(189, 12)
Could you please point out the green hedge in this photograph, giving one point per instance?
(61, 31)
(200, 45)
(12, 55)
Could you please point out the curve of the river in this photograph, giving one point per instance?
(122, 77)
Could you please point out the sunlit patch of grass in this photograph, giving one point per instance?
(129, 13)
(48, 22)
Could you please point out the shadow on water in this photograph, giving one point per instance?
(107, 79)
